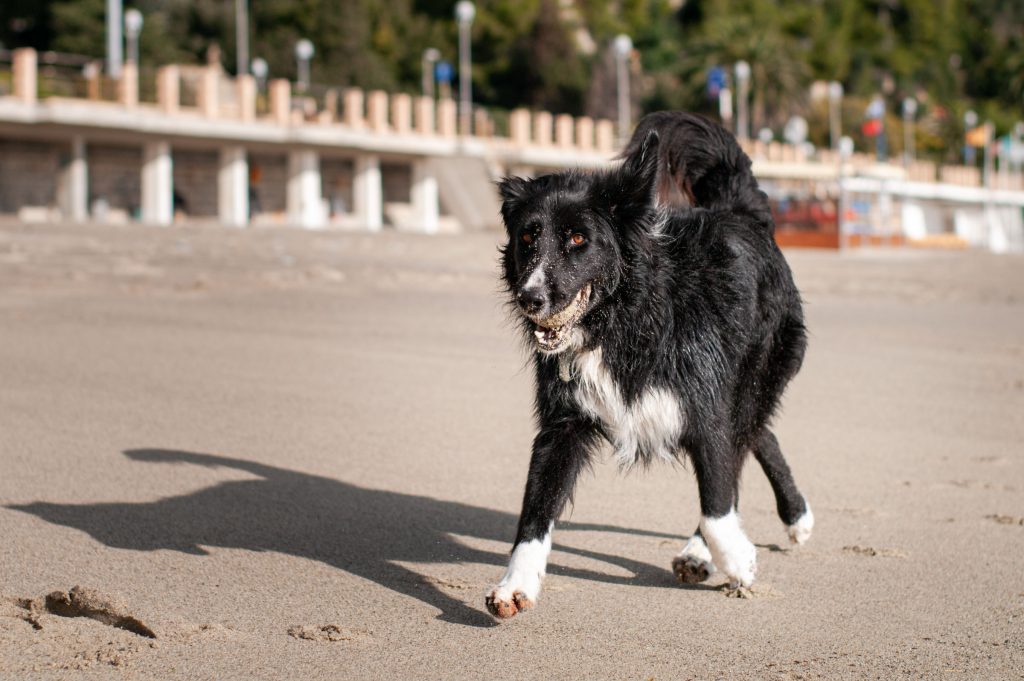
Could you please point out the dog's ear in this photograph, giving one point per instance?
(636, 180)
(512, 191)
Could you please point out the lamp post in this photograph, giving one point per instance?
(260, 69)
(132, 29)
(115, 41)
(909, 111)
(970, 121)
(465, 11)
(623, 48)
(742, 97)
(430, 57)
(303, 53)
(835, 113)
(241, 37)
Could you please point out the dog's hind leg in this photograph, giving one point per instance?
(559, 453)
(693, 564)
(793, 509)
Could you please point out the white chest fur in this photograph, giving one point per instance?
(652, 424)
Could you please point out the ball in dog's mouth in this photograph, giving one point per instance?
(553, 332)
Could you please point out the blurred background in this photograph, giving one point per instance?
(901, 90)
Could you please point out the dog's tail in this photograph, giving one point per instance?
(701, 164)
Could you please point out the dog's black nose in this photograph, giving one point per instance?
(531, 299)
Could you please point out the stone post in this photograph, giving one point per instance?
(280, 92)
(157, 184)
(353, 104)
(368, 192)
(519, 127)
(447, 118)
(563, 130)
(128, 86)
(542, 128)
(377, 110)
(401, 114)
(604, 134)
(585, 133)
(245, 87)
(168, 89)
(26, 81)
(425, 197)
(425, 115)
(233, 187)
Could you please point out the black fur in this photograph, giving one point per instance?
(693, 299)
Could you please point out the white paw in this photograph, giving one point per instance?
(519, 589)
(731, 551)
(693, 564)
(800, 531)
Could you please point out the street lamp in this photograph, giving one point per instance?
(115, 41)
(970, 121)
(623, 48)
(430, 57)
(742, 95)
(303, 53)
(132, 29)
(835, 120)
(241, 36)
(464, 13)
(260, 69)
(909, 111)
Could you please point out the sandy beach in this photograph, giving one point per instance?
(281, 454)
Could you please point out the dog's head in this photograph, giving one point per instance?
(566, 238)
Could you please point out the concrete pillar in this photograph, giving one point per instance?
(446, 118)
(168, 89)
(563, 130)
(425, 197)
(377, 110)
(401, 114)
(92, 73)
(368, 192)
(25, 68)
(209, 92)
(72, 183)
(542, 128)
(128, 86)
(482, 126)
(78, 182)
(245, 88)
(157, 184)
(280, 100)
(519, 127)
(233, 187)
(604, 136)
(425, 115)
(585, 132)
(305, 205)
(353, 105)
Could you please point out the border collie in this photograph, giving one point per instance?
(665, 322)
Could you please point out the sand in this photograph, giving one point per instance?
(301, 455)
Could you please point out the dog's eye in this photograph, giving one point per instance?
(527, 238)
(577, 239)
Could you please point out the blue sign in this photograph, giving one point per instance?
(443, 72)
(718, 79)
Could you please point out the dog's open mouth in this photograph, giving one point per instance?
(553, 331)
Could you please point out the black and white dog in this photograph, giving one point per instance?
(665, 321)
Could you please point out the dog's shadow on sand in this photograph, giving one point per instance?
(359, 530)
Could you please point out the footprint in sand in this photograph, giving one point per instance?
(873, 552)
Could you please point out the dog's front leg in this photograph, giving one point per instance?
(717, 468)
(560, 451)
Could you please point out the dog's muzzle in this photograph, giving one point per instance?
(553, 331)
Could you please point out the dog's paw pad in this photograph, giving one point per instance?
(691, 569)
